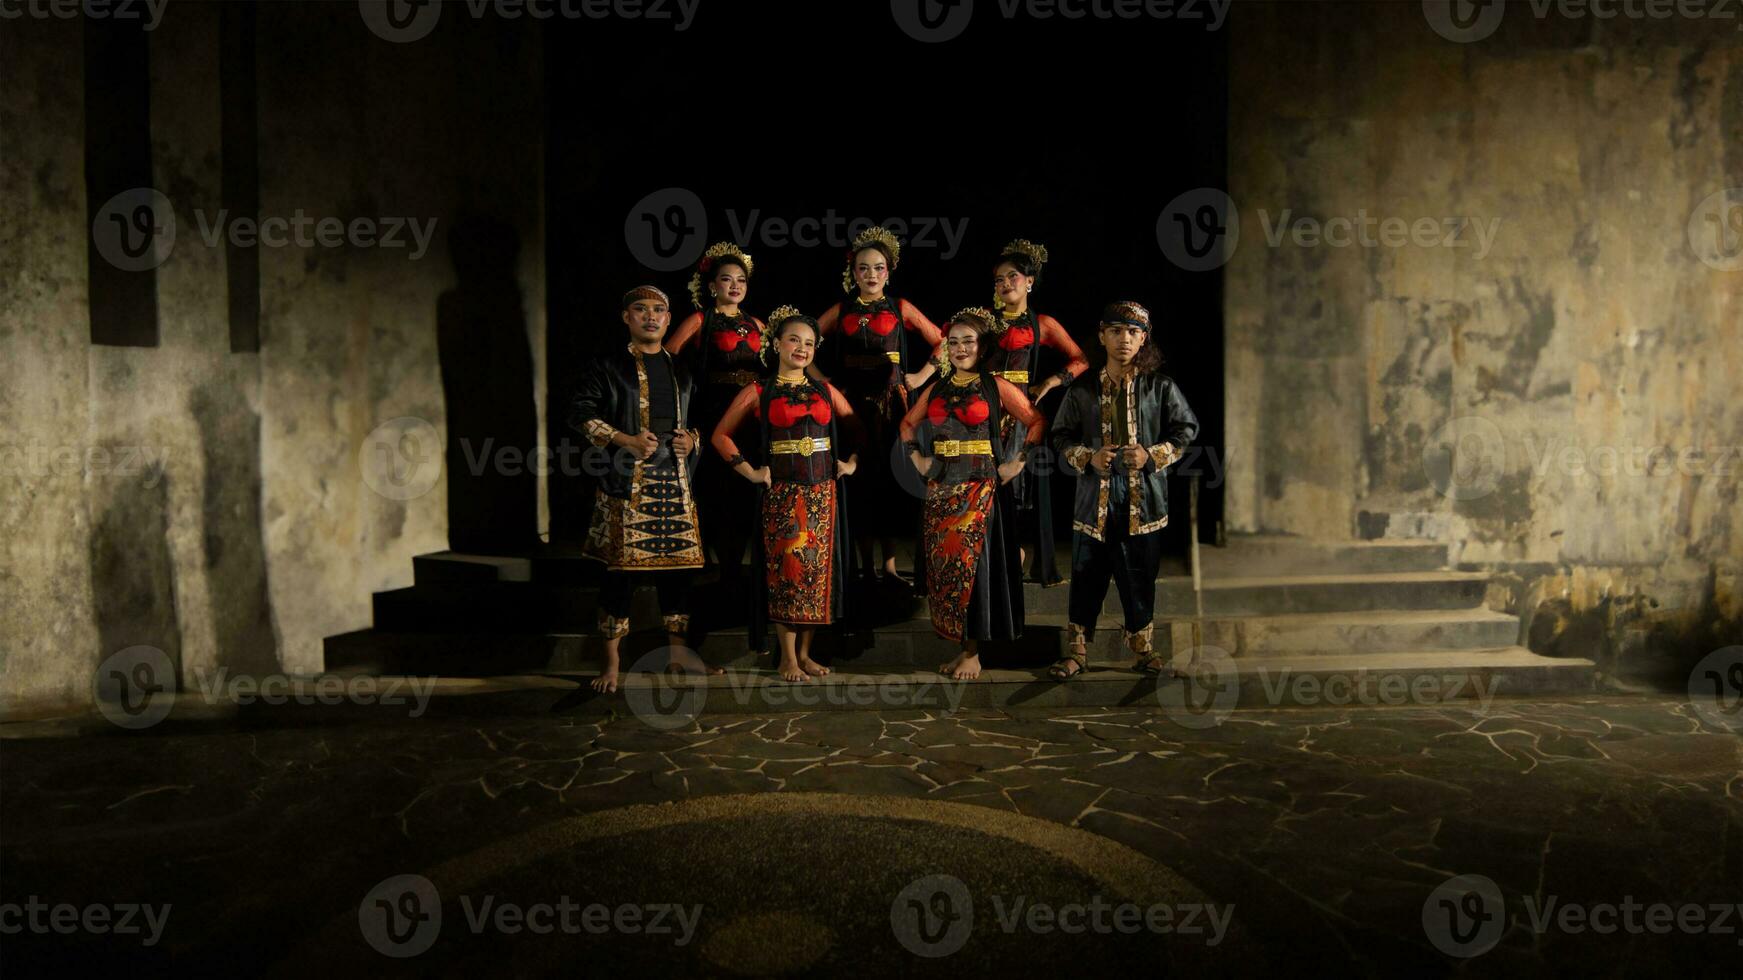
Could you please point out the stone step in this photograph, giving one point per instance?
(1279, 595)
(1362, 632)
(910, 643)
(913, 642)
(1468, 679)
(1245, 555)
(1277, 554)
(550, 566)
(495, 606)
(380, 651)
(1245, 616)
(535, 607)
(455, 566)
(539, 607)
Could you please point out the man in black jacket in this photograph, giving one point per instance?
(1119, 429)
(633, 404)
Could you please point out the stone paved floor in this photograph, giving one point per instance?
(1327, 831)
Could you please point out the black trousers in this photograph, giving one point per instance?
(673, 588)
(1131, 562)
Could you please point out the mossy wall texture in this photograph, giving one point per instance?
(210, 503)
(1549, 384)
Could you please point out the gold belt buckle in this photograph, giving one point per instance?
(963, 447)
(895, 356)
(803, 446)
(1014, 377)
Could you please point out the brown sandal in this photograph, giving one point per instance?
(1061, 673)
(1153, 666)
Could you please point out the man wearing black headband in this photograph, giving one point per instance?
(1119, 429)
(633, 404)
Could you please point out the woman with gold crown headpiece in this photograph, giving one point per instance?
(1017, 359)
(974, 578)
(872, 352)
(807, 438)
(723, 347)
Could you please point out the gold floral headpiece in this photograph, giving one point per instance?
(875, 235)
(1037, 254)
(989, 324)
(711, 261)
(782, 314)
(1022, 246)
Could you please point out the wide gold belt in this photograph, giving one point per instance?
(962, 447)
(873, 360)
(1014, 377)
(800, 447)
(740, 378)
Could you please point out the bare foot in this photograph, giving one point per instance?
(606, 682)
(791, 672)
(966, 667)
(812, 667)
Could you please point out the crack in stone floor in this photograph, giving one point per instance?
(1327, 830)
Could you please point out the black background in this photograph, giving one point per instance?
(1074, 134)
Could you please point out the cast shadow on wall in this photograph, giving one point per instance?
(487, 383)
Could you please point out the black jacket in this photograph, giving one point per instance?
(609, 401)
(1080, 429)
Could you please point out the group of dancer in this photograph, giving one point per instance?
(959, 404)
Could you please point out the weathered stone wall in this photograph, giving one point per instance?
(1591, 331)
(251, 534)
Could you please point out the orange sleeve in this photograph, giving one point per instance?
(826, 323)
(916, 321)
(1056, 337)
(678, 339)
(744, 406)
(1018, 404)
(850, 425)
(916, 413)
